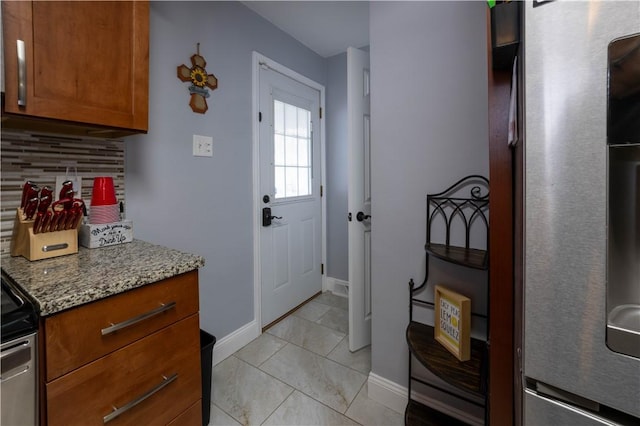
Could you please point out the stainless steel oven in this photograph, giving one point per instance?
(18, 357)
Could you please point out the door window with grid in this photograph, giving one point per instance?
(292, 163)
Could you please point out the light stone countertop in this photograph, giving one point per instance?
(68, 281)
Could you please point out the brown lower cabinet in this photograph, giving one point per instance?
(148, 368)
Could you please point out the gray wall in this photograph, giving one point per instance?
(429, 115)
(197, 204)
(337, 152)
(429, 128)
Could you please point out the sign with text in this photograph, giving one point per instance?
(452, 322)
(106, 234)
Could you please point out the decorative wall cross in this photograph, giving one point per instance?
(200, 80)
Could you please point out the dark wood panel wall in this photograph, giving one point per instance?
(501, 245)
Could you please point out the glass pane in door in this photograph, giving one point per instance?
(292, 148)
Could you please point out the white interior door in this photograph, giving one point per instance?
(359, 202)
(291, 245)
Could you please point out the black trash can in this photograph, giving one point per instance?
(206, 354)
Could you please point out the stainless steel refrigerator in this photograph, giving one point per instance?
(581, 323)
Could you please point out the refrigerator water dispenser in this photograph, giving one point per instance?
(623, 213)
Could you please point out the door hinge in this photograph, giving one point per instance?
(320, 113)
(259, 117)
(322, 269)
(321, 191)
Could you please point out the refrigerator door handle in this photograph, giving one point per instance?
(540, 409)
(564, 396)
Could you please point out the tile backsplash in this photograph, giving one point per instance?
(41, 157)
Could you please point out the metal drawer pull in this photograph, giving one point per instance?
(22, 73)
(117, 411)
(115, 327)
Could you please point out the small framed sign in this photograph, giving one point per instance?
(452, 322)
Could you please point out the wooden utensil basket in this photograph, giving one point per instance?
(41, 246)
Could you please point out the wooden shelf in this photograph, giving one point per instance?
(418, 414)
(471, 258)
(468, 375)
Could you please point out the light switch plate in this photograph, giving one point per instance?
(202, 146)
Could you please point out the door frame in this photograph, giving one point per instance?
(257, 60)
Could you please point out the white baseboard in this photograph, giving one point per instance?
(234, 341)
(338, 287)
(387, 393)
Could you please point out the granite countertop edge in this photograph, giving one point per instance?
(65, 282)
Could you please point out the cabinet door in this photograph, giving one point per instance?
(84, 62)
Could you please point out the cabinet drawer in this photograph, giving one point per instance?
(167, 362)
(84, 334)
(191, 417)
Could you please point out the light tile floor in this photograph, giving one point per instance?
(299, 372)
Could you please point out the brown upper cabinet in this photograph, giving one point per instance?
(76, 67)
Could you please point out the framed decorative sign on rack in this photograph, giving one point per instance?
(452, 322)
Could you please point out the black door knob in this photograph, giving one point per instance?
(361, 216)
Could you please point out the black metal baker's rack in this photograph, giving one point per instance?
(453, 211)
